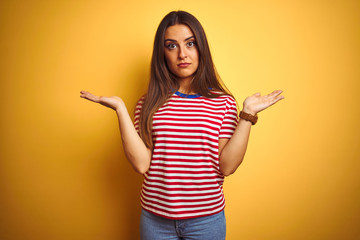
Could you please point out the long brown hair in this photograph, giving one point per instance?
(163, 82)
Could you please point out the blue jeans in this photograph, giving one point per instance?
(153, 227)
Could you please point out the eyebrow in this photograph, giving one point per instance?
(172, 40)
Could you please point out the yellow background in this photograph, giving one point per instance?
(63, 174)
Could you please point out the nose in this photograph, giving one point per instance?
(182, 52)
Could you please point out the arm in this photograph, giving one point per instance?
(135, 150)
(232, 151)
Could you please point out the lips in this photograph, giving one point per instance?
(183, 65)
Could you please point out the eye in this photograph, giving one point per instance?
(171, 46)
(191, 44)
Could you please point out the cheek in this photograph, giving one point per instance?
(195, 56)
(169, 58)
(170, 64)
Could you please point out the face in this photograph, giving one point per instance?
(181, 52)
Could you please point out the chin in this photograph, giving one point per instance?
(185, 77)
(182, 76)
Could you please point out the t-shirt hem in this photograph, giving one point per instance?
(182, 218)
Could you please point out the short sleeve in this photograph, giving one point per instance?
(137, 111)
(230, 119)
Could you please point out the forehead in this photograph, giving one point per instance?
(178, 32)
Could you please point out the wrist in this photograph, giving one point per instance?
(249, 111)
(120, 109)
(248, 117)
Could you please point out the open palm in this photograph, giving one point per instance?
(113, 102)
(256, 103)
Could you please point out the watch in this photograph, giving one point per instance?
(248, 117)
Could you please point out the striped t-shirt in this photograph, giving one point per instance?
(184, 178)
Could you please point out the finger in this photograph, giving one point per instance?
(276, 99)
(274, 93)
(84, 93)
(257, 94)
(89, 96)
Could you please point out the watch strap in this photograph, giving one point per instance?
(248, 117)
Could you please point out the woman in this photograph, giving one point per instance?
(186, 136)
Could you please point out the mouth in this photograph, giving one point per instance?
(183, 65)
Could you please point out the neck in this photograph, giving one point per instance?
(185, 84)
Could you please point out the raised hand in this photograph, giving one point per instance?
(110, 102)
(256, 103)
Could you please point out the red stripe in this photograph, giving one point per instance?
(178, 165)
(213, 142)
(198, 131)
(184, 154)
(179, 115)
(166, 147)
(203, 101)
(146, 197)
(164, 135)
(182, 194)
(212, 160)
(196, 105)
(179, 183)
(185, 206)
(185, 112)
(177, 118)
(181, 189)
(189, 125)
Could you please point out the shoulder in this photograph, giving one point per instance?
(224, 96)
(140, 102)
(138, 106)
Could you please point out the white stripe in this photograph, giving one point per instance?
(154, 171)
(228, 131)
(198, 109)
(183, 157)
(189, 117)
(182, 113)
(216, 143)
(183, 209)
(181, 186)
(188, 134)
(199, 100)
(185, 123)
(166, 128)
(192, 145)
(222, 135)
(228, 124)
(225, 136)
(207, 105)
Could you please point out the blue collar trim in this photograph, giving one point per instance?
(187, 95)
